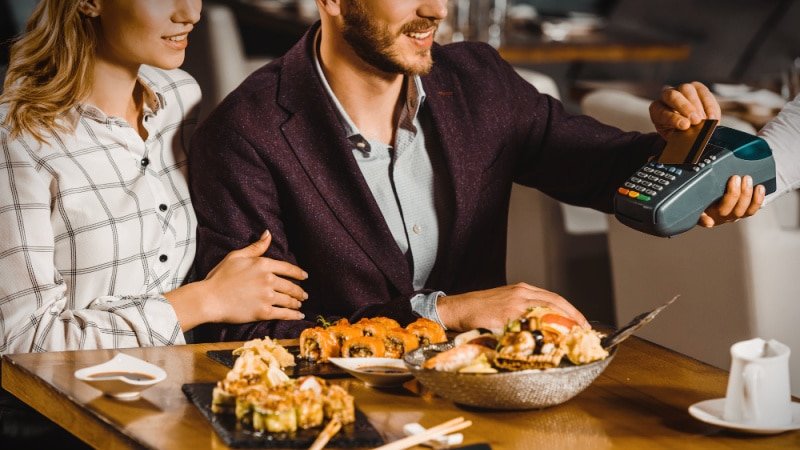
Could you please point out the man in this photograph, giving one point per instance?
(387, 176)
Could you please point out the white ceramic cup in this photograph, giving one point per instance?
(758, 386)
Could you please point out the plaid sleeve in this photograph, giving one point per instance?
(36, 312)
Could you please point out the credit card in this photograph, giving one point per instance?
(686, 147)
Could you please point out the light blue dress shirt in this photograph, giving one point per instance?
(401, 179)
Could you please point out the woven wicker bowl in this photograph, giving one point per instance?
(524, 389)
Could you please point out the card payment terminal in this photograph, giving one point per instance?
(666, 197)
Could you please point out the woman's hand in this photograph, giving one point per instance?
(244, 287)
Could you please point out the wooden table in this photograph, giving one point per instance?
(608, 45)
(640, 401)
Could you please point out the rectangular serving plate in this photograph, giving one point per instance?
(361, 433)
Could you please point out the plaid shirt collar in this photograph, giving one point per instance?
(154, 101)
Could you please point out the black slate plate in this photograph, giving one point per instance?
(303, 367)
(358, 434)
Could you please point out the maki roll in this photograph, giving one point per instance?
(275, 413)
(427, 331)
(318, 344)
(398, 342)
(364, 346)
(337, 402)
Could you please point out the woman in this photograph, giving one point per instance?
(97, 231)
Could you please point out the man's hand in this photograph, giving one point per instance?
(492, 308)
(680, 107)
(740, 200)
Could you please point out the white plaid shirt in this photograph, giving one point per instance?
(97, 224)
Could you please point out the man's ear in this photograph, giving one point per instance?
(90, 8)
(332, 8)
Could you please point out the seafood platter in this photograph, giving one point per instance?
(541, 359)
(369, 349)
(258, 405)
(377, 337)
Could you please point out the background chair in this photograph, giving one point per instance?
(737, 281)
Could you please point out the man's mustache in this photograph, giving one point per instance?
(419, 25)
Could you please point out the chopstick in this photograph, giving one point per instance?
(327, 433)
(448, 427)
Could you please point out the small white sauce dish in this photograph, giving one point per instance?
(123, 377)
(376, 372)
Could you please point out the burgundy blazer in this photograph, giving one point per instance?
(273, 155)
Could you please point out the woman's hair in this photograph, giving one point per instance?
(50, 69)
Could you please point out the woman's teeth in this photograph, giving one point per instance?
(177, 38)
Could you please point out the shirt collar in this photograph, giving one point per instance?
(415, 94)
(154, 101)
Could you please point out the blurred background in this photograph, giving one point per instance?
(635, 45)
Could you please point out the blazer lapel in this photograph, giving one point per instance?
(445, 100)
(325, 153)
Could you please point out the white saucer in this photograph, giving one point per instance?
(710, 411)
(391, 371)
(123, 377)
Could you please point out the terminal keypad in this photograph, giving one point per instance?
(650, 181)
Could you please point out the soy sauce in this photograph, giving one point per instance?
(386, 370)
(133, 376)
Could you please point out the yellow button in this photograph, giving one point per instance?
(633, 194)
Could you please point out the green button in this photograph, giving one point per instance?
(644, 198)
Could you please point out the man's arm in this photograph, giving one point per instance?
(235, 200)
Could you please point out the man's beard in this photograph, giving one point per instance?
(373, 42)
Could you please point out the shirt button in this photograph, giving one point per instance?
(416, 229)
(145, 162)
(162, 207)
(163, 258)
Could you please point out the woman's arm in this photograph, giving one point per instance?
(37, 310)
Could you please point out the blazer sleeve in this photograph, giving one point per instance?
(236, 198)
(573, 158)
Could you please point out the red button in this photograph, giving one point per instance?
(623, 191)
